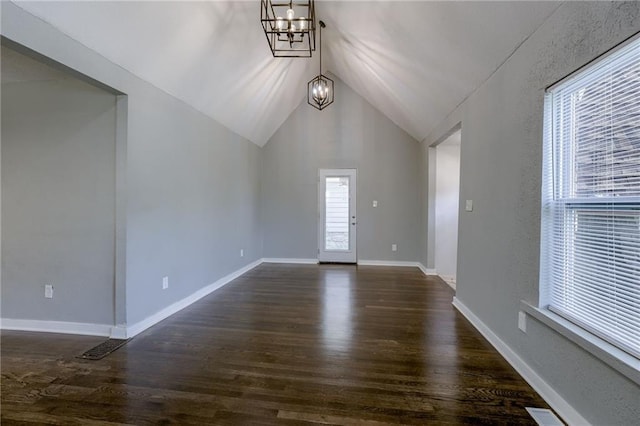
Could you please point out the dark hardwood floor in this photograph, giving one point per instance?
(283, 344)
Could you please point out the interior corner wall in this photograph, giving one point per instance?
(428, 195)
(348, 134)
(58, 198)
(192, 186)
(501, 169)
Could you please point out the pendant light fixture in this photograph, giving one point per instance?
(320, 89)
(290, 27)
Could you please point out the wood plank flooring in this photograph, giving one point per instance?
(283, 344)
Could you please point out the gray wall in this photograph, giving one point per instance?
(191, 186)
(58, 199)
(193, 203)
(348, 134)
(498, 257)
(428, 203)
(193, 189)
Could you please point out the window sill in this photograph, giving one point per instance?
(615, 358)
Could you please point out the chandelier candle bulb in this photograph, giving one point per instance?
(290, 27)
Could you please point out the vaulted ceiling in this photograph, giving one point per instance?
(413, 60)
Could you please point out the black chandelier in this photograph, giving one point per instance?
(320, 89)
(290, 27)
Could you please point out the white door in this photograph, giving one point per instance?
(337, 214)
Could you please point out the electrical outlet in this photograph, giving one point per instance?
(241, 252)
(165, 283)
(468, 205)
(394, 247)
(48, 291)
(522, 321)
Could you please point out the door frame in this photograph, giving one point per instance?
(338, 256)
(434, 207)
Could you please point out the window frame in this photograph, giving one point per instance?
(557, 166)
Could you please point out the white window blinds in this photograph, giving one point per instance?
(590, 264)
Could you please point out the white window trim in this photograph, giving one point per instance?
(619, 360)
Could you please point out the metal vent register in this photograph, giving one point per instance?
(103, 349)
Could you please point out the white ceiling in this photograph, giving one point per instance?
(415, 61)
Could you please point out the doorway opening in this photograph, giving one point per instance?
(63, 196)
(337, 239)
(447, 194)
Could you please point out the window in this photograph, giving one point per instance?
(590, 261)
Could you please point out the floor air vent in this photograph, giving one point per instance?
(544, 417)
(103, 349)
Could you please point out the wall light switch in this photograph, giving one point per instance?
(522, 321)
(375, 203)
(165, 283)
(468, 205)
(48, 291)
(241, 252)
(394, 247)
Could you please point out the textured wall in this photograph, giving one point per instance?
(501, 170)
(348, 134)
(58, 199)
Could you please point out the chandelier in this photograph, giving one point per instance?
(320, 89)
(290, 27)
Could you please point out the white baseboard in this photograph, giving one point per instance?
(555, 401)
(427, 271)
(56, 327)
(364, 262)
(290, 260)
(419, 265)
(121, 331)
(449, 279)
(140, 326)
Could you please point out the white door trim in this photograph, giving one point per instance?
(342, 256)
